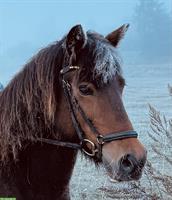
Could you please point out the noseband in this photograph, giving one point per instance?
(85, 145)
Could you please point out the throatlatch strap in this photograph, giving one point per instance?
(60, 143)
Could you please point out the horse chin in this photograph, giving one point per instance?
(113, 179)
(122, 178)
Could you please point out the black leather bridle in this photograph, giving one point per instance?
(85, 145)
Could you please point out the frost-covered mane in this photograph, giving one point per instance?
(100, 59)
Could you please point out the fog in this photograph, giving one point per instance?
(146, 50)
(27, 26)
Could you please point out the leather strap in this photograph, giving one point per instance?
(119, 136)
(101, 140)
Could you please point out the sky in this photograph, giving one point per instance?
(27, 26)
(49, 20)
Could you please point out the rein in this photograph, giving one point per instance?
(93, 150)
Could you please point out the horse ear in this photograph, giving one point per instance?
(115, 37)
(75, 40)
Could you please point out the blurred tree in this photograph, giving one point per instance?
(154, 28)
(1, 87)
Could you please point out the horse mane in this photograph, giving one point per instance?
(28, 103)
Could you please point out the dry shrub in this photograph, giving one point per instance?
(160, 178)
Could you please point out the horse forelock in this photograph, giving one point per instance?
(100, 59)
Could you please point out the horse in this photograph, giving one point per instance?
(67, 98)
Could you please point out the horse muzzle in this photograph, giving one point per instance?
(126, 169)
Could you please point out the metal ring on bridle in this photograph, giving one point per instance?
(93, 148)
(100, 139)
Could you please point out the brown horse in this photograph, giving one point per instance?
(70, 95)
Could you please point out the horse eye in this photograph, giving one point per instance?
(85, 90)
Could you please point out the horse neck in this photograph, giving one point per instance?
(43, 172)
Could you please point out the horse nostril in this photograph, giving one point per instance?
(142, 162)
(127, 164)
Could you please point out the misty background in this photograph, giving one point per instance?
(27, 26)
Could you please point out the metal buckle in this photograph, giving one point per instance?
(100, 139)
(93, 149)
(68, 68)
(74, 67)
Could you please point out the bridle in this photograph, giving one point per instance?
(93, 150)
